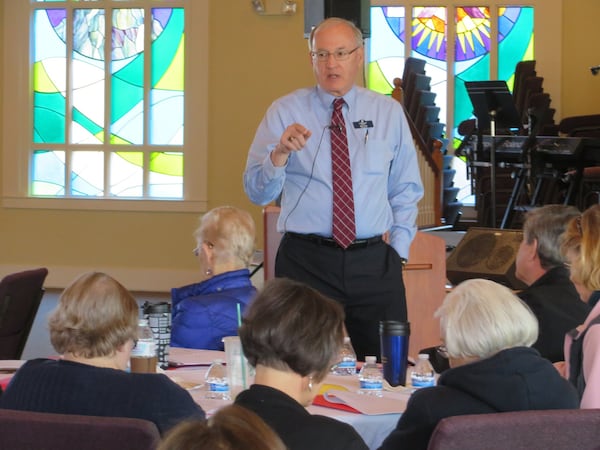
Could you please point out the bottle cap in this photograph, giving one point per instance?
(370, 359)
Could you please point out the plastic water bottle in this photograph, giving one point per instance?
(371, 377)
(144, 356)
(346, 364)
(423, 374)
(216, 379)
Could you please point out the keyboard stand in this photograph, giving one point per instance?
(511, 206)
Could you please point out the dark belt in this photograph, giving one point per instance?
(328, 242)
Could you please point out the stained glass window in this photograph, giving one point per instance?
(108, 100)
(471, 60)
(476, 50)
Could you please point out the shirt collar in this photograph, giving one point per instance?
(327, 99)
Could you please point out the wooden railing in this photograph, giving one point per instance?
(430, 168)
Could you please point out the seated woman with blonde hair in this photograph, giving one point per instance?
(292, 334)
(487, 331)
(205, 312)
(94, 328)
(230, 428)
(581, 247)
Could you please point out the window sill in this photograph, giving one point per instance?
(102, 204)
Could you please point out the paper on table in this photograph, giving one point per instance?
(10, 364)
(193, 357)
(391, 403)
(333, 402)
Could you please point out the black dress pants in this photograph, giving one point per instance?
(366, 280)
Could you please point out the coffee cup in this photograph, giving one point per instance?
(238, 369)
(394, 336)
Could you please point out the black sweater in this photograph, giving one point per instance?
(297, 428)
(516, 379)
(67, 387)
(558, 308)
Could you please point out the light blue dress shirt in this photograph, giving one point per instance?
(385, 172)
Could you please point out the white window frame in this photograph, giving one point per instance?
(17, 115)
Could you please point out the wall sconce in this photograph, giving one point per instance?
(274, 7)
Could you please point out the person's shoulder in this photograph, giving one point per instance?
(158, 382)
(34, 367)
(335, 432)
(374, 96)
(593, 332)
(40, 362)
(437, 394)
(295, 96)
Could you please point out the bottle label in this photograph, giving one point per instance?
(371, 384)
(423, 382)
(218, 387)
(346, 364)
(144, 349)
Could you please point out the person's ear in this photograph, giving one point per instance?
(209, 252)
(534, 249)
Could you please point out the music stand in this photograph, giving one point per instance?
(494, 107)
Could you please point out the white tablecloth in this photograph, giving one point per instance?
(372, 428)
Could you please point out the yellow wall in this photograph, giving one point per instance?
(581, 50)
(253, 60)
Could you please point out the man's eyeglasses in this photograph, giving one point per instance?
(338, 55)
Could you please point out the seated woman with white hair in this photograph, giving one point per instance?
(205, 312)
(487, 332)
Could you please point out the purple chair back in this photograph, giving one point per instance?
(25, 430)
(520, 430)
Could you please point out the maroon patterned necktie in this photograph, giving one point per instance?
(344, 228)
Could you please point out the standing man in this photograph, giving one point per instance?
(343, 160)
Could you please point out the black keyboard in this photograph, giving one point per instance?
(509, 148)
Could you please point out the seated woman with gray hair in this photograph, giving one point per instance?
(487, 332)
(94, 328)
(205, 312)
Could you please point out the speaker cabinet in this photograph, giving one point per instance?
(357, 11)
(486, 253)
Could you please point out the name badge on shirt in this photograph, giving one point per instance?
(363, 124)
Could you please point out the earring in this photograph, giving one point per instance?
(208, 271)
(310, 385)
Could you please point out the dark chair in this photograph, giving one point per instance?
(520, 430)
(413, 83)
(426, 114)
(420, 97)
(414, 65)
(26, 430)
(523, 70)
(587, 127)
(20, 297)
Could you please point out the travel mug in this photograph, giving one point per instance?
(394, 337)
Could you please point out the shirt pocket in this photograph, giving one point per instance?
(376, 158)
